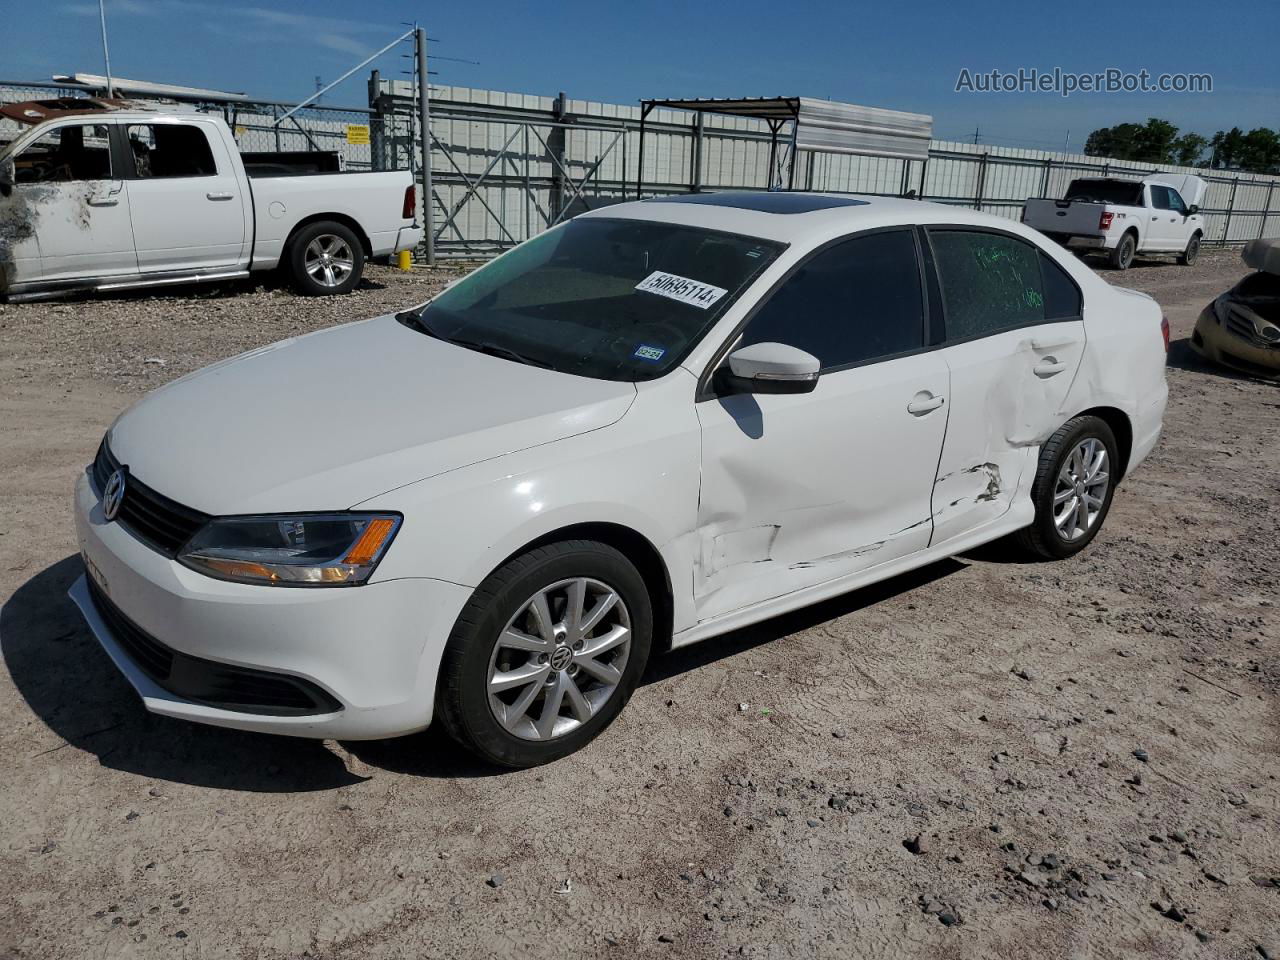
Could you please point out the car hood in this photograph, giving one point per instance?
(324, 421)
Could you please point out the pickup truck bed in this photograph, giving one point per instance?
(122, 198)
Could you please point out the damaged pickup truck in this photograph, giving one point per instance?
(110, 195)
(658, 422)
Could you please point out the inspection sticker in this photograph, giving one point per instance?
(647, 352)
(674, 287)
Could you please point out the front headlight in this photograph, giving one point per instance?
(310, 550)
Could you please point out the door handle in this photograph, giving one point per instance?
(924, 402)
(220, 196)
(107, 201)
(1049, 367)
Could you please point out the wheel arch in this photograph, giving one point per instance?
(1122, 427)
(637, 548)
(347, 221)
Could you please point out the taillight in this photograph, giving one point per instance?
(1164, 332)
(1104, 221)
(410, 208)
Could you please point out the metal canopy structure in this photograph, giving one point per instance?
(819, 126)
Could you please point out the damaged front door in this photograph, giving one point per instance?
(1014, 341)
(68, 202)
(806, 488)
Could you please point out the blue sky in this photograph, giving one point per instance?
(901, 55)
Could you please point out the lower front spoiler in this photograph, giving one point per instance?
(343, 723)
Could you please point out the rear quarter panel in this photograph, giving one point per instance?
(374, 201)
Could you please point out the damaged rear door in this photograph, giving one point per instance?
(801, 489)
(1014, 339)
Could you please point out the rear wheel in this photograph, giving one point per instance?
(1122, 255)
(1192, 253)
(546, 653)
(325, 259)
(1074, 484)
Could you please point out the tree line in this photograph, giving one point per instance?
(1157, 141)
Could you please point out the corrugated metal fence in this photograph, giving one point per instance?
(507, 165)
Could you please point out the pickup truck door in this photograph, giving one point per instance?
(1164, 230)
(1014, 339)
(68, 216)
(188, 197)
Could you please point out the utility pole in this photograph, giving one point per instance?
(106, 56)
(424, 120)
(976, 135)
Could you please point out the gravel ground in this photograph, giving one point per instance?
(984, 758)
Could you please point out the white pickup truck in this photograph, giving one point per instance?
(108, 195)
(1156, 215)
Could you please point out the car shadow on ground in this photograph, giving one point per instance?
(73, 687)
(216, 290)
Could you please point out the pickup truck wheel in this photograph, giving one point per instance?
(1074, 482)
(1189, 255)
(545, 654)
(1122, 256)
(325, 259)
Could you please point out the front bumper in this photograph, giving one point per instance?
(374, 649)
(1213, 342)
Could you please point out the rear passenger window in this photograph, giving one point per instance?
(1061, 295)
(854, 302)
(990, 282)
(170, 150)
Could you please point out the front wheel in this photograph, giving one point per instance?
(1074, 483)
(545, 654)
(1192, 253)
(325, 259)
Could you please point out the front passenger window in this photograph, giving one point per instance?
(990, 282)
(852, 303)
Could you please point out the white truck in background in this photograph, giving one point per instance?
(1159, 214)
(109, 195)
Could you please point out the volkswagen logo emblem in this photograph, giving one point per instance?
(113, 495)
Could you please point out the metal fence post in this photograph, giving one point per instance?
(424, 120)
(377, 146)
(1231, 207)
(982, 181)
(695, 172)
(555, 146)
(1266, 210)
(1044, 180)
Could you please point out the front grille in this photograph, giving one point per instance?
(150, 516)
(242, 689)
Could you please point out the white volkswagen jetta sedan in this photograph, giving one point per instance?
(655, 423)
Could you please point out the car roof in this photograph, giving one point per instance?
(795, 217)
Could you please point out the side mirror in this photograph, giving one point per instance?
(6, 178)
(769, 368)
(1193, 210)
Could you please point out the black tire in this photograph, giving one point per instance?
(1192, 253)
(335, 236)
(462, 696)
(1042, 539)
(1121, 257)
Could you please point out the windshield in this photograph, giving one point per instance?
(608, 299)
(1125, 193)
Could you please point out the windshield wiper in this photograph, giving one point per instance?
(495, 350)
(414, 318)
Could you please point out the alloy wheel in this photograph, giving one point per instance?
(1081, 489)
(559, 659)
(329, 260)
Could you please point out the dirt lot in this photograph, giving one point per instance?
(1087, 751)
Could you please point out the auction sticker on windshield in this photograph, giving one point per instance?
(675, 287)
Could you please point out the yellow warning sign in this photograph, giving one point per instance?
(358, 133)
